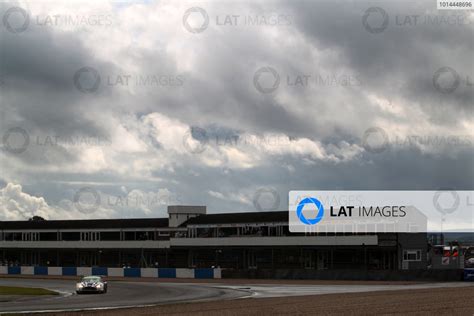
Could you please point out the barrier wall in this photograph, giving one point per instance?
(204, 273)
(469, 275)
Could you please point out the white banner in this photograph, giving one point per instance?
(381, 211)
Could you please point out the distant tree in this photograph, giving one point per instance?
(36, 219)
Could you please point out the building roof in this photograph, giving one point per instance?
(88, 223)
(246, 217)
(223, 218)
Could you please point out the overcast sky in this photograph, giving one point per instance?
(118, 109)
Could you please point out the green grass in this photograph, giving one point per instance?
(13, 290)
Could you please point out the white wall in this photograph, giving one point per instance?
(185, 273)
(55, 271)
(28, 270)
(115, 272)
(84, 271)
(149, 272)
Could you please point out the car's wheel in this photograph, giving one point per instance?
(78, 292)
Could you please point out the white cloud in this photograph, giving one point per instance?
(285, 138)
(18, 205)
(15, 204)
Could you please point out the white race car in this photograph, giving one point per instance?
(91, 284)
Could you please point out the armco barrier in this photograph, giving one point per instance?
(117, 272)
(83, 271)
(204, 273)
(14, 270)
(185, 273)
(468, 274)
(132, 272)
(167, 273)
(27, 270)
(69, 271)
(149, 273)
(99, 271)
(55, 271)
(41, 271)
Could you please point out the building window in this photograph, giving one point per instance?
(412, 255)
(129, 235)
(71, 236)
(110, 236)
(13, 236)
(150, 235)
(48, 236)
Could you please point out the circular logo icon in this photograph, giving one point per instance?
(8, 23)
(440, 84)
(204, 24)
(375, 12)
(456, 200)
(266, 199)
(195, 140)
(375, 132)
(319, 207)
(87, 80)
(264, 71)
(86, 200)
(7, 142)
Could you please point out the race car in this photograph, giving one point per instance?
(91, 284)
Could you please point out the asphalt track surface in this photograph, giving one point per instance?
(119, 294)
(130, 294)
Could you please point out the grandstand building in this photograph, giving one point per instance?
(190, 238)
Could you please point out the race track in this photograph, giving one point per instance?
(120, 294)
(132, 294)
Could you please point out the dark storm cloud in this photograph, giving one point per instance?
(214, 75)
(38, 67)
(38, 92)
(401, 60)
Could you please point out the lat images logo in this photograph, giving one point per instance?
(379, 211)
(319, 207)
